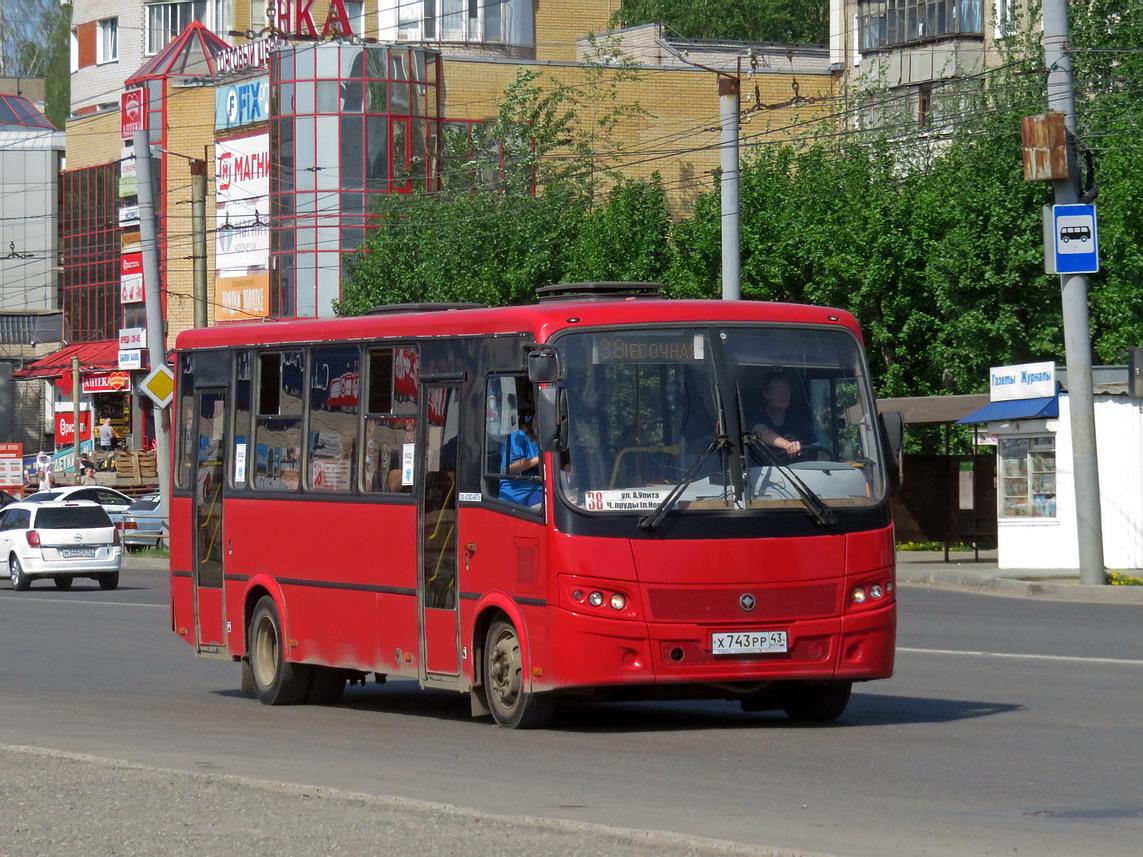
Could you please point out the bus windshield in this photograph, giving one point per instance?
(704, 418)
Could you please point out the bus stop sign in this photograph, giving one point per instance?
(159, 385)
(1072, 243)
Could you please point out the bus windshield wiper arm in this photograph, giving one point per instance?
(649, 522)
(819, 510)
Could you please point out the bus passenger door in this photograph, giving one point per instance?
(437, 521)
(209, 471)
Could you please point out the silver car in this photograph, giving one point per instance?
(143, 525)
(62, 540)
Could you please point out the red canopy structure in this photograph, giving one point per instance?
(191, 54)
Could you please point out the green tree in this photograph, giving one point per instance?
(34, 44)
(526, 201)
(787, 21)
(1105, 40)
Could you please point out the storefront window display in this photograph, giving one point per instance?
(1028, 477)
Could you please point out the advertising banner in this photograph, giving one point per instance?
(241, 298)
(242, 205)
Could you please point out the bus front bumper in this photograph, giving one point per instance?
(599, 652)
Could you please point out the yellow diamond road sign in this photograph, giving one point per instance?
(160, 385)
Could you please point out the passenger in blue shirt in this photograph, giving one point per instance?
(522, 456)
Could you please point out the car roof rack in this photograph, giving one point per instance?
(427, 306)
(597, 291)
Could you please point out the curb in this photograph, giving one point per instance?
(1014, 584)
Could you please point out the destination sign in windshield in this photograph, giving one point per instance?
(658, 347)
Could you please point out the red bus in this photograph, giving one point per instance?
(355, 496)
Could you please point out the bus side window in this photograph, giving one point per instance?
(334, 385)
(187, 448)
(278, 425)
(508, 408)
(389, 448)
(243, 401)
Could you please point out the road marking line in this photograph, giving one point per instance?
(1123, 661)
(84, 601)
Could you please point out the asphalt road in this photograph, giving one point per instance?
(1012, 726)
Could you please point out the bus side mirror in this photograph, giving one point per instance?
(892, 425)
(551, 417)
(543, 365)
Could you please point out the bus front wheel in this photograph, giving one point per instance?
(276, 681)
(818, 703)
(504, 681)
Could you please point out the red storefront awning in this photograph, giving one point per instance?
(100, 356)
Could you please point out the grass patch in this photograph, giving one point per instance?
(1118, 578)
(940, 546)
(151, 553)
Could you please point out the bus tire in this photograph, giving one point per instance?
(276, 681)
(818, 703)
(246, 681)
(511, 706)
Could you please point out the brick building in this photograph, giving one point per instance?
(303, 112)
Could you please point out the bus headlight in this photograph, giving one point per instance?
(618, 601)
(859, 595)
(595, 599)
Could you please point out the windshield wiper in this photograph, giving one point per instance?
(819, 510)
(649, 522)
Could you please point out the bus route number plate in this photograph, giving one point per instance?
(749, 643)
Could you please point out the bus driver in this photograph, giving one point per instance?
(781, 427)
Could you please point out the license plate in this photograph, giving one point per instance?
(748, 643)
(77, 553)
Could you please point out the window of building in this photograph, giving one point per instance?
(167, 20)
(107, 48)
(925, 106)
(1005, 11)
(884, 23)
(355, 9)
(259, 15)
(1027, 477)
(73, 52)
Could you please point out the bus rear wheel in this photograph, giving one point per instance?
(818, 703)
(276, 681)
(511, 705)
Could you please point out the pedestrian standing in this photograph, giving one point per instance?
(44, 467)
(106, 436)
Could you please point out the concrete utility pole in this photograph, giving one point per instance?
(1077, 331)
(156, 345)
(198, 231)
(728, 91)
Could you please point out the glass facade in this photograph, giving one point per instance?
(883, 23)
(89, 253)
(350, 122)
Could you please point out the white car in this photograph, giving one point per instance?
(62, 540)
(115, 502)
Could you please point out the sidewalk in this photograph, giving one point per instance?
(962, 572)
